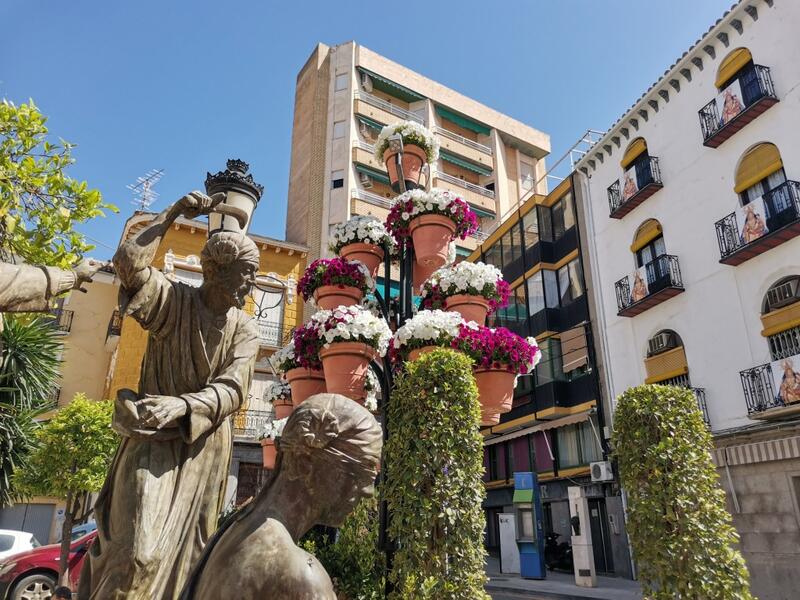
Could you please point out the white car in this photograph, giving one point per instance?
(12, 541)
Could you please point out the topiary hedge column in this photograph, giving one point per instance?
(681, 534)
(434, 489)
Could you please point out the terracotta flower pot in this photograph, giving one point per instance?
(345, 365)
(421, 274)
(431, 235)
(417, 352)
(368, 254)
(305, 383)
(283, 408)
(330, 297)
(496, 390)
(269, 453)
(414, 158)
(472, 308)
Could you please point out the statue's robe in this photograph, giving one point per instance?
(165, 489)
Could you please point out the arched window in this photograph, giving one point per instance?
(760, 170)
(666, 360)
(648, 243)
(780, 317)
(635, 151)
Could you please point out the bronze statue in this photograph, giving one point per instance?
(165, 489)
(328, 458)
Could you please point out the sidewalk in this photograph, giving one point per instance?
(560, 585)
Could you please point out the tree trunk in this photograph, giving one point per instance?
(66, 540)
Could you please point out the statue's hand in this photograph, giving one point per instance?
(160, 411)
(84, 271)
(196, 204)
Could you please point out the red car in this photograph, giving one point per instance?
(33, 574)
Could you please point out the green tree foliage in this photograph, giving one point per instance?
(39, 203)
(681, 534)
(353, 559)
(74, 453)
(434, 489)
(28, 375)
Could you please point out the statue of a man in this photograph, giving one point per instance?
(328, 458)
(165, 489)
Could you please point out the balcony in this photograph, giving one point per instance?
(777, 223)
(247, 423)
(757, 95)
(273, 335)
(62, 319)
(765, 400)
(364, 154)
(477, 196)
(661, 281)
(469, 149)
(623, 199)
(382, 111)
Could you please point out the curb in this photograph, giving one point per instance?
(523, 592)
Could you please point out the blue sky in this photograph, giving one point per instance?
(184, 85)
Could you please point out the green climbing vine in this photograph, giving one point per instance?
(681, 534)
(434, 489)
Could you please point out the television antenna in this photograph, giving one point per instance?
(143, 189)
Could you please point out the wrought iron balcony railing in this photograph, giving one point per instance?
(462, 140)
(662, 281)
(740, 240)
(758, 94)
(62, 319)
(700, 394)
(247, 423)
(759, 389)
(648, 182)
(389, 107)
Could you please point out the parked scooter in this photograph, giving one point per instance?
(557, 556)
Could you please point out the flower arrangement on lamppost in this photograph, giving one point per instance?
(348, 346)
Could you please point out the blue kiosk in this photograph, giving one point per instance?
(530, 533)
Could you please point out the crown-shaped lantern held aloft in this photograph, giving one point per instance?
(242, 195)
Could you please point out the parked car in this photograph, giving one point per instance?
(12, 542)
(81, 530)
(34, 573)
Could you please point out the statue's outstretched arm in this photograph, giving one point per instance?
(135, 255)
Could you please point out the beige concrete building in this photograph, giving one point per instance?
(345, 94)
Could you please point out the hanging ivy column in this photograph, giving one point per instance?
(434, 489)
(681, 534)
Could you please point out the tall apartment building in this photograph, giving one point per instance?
(692, 212)
(556, 426)
(345, 94)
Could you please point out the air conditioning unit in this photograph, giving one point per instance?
(601, 471)
(366, 181)
(366, 82)
(661, 342)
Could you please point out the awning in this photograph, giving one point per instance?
(480, 169)
(758, 163)
(463, 121)
(370, 123)
(481, 212)
(463, 251)
(574, 349)
(731, 65)
(648, 231)
(523, 496)
(633, 152)
(555, 423)
(390, 87)
(376, 175)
